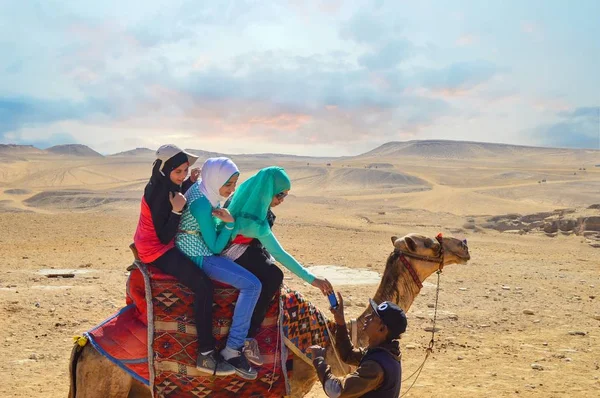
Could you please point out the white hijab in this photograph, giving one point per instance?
(215, 173)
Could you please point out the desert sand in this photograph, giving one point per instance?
(521, 319)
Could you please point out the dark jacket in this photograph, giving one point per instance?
(378, 373)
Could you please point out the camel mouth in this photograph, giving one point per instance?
(464, 259)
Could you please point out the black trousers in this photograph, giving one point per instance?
(257, 260)
(187, 273)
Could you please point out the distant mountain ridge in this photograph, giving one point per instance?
(14, 149)
(136, 152)
(74, 150)
(440, 149)
(446, 149)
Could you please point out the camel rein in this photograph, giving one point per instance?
(429, 349)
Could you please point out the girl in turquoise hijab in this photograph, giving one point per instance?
(250, 206)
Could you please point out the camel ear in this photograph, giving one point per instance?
(394, 239)
(410, 244)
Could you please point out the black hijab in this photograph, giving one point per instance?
(159, 187)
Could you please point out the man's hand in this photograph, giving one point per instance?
(194, 174)
(338, 313)
(317, 351)
(177, 201)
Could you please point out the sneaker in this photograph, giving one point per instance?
(243, 368)
(252, 352)
(214, 364)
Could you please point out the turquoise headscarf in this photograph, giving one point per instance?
(252, 199)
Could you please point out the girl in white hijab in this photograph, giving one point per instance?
(200, 240)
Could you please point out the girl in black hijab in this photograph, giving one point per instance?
(161, 208)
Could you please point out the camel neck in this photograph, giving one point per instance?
(397, 285)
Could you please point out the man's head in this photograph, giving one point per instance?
(386, 322)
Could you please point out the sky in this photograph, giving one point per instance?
(301, 77)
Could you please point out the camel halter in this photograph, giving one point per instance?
(401, 254)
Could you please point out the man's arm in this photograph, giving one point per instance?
(367, 377)
(348, 353)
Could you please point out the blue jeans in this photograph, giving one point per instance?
(223, 270)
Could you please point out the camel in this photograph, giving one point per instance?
(94, 376)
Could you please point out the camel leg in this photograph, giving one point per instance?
(97, 377)
(303, 378)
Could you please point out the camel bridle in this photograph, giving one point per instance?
(438, 259)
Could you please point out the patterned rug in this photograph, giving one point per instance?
(303, 324)
(175, 346)
(124, 338)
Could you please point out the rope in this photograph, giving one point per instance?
(429, 349)
(277, 341)
(332, 342)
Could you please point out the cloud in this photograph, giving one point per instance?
(50, 140)
(466, 40)
(459, 76)
(578, 128)
(225, 72)
(21, 112)
(533, 30)
(364, 28)
(389, 55)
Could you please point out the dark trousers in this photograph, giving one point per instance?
(258, 261)
(187, 273)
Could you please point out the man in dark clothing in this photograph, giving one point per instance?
(379, 369)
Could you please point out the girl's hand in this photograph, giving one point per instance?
(195, 173)
(223, 215)
(178, 201)
(323, 285)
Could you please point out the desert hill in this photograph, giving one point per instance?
(73, 150)
(531, 217)
(138, 152)
(13, 149)
(445, 149)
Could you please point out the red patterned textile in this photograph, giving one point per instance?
(303, 324)
(122, 339)
(242, 240)
(175, 346)
(172, 372)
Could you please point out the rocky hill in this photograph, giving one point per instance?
(73, 150)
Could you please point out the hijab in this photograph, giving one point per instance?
(250, 204)
(160, 185)
(215, 173)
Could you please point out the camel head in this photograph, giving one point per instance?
(426, 254)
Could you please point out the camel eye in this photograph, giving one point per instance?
(428, 243)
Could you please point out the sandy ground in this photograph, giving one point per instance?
(80, 214)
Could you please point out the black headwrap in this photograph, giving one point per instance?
(157, 197)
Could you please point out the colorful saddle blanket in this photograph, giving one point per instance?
(170, 341)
